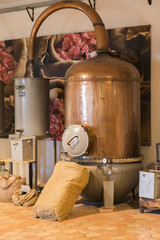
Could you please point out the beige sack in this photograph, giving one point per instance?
(61, 191)
(8, 185)
(27, 199)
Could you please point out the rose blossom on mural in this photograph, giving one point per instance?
(7, 63)
(79, 46)
(57, 117)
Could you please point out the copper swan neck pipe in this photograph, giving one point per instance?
(101, 36)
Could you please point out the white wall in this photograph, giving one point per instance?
(114, 13)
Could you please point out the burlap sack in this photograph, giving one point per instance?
(8, 185)
(27, 199)
(61, 191)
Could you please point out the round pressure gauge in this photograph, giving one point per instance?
(75, 140)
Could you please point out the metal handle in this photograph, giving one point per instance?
(22, 87)
(20, 130)
(15, 144)
(101, 36)
(73, 141)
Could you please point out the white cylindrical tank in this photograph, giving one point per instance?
(31, 106)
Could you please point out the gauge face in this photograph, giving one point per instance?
(75, 140)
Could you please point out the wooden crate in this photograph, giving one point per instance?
(148, 203)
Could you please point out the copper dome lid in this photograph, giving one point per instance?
(103, 67)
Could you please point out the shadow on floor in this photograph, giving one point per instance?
(84, 207)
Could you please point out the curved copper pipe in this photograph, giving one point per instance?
(101, 37)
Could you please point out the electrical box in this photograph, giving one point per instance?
(149, 184)
(22, 149)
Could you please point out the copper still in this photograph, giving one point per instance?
(1, 107)
(102, 112)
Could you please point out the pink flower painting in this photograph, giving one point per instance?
(7, 63)
(57, 117)
(77, 46)
(56, 53)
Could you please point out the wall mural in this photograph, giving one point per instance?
(56, 53)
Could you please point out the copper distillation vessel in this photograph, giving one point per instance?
(102, 112)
